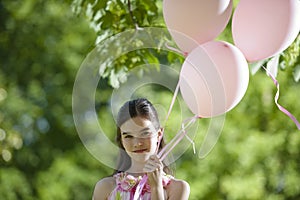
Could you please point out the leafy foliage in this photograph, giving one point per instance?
(41, 47)
(109, 18)
(290, 58)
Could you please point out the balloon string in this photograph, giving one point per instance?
(189, 139)
(140, 187)
(172, 102)
(185, 54)
(282, 109)
(169, 144)
(178, 137)
(169, 111)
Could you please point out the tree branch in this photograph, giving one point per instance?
(132, 16)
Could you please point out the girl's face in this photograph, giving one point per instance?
(139, 138)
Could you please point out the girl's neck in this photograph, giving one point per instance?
(135, 174)
(136, 168)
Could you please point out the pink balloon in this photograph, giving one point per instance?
(214, 78)
(194, 22)
(264, 28)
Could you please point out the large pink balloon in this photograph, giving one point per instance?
(194, 22)
(263, 28)
(214, 78)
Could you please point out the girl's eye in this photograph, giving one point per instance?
(128, 136)
(146, 133)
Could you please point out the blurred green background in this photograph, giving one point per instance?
(42, 45)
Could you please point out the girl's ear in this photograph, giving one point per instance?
(160, 134)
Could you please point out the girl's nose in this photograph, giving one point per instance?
(138, 142)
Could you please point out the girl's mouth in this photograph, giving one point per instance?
(140, 151)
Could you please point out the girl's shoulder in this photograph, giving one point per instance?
(178, 183)
(178, 188)
(104, 187)
(106, 182)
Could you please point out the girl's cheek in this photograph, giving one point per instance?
(153, 145)
(126, 145)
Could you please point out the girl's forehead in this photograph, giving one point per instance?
(136, 125)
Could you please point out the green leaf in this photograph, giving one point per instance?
(99, 5)
(107, 20)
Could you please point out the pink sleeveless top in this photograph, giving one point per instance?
(126, 185)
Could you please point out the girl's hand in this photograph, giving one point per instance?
(154, 169)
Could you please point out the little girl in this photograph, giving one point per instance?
(140, 138)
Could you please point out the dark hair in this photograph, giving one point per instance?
(140, 107)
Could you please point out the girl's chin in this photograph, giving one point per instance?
(140, 157)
